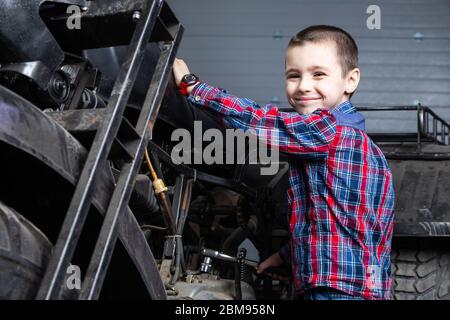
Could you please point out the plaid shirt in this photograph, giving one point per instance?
(340, 192)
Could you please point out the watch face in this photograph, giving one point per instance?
(190, 78)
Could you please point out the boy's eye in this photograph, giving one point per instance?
(293, 76)
(319, 74)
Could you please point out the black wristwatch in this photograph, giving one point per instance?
(187, 81)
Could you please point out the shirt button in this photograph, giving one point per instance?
(198, 98)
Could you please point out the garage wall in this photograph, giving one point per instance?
(239, 45)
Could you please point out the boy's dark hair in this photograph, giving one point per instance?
(346, 47)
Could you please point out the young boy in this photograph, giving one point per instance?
(340, 187)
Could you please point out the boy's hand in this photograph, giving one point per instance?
(272, 261)
(180, 69)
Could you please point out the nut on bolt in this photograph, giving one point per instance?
(136, 16)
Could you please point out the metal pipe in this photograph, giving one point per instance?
(388, 108)
(225, 257)
(420, 121)
(150, 167)
(161, 193)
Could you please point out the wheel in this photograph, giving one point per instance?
(421, 270)
(24, 253)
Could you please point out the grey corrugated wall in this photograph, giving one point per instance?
(239, 45)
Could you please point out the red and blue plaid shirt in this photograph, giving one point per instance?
(340, 192)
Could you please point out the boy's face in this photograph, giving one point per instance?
(314, 77)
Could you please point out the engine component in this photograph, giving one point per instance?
(239, 273)
(225, 257)
(209, 287)
(143, 200)
(59, 87)
(161, 193)
(206, 265)
(90, 100)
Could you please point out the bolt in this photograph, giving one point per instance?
(61, 85)
(136, 16)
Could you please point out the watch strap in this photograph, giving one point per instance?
(185, 85)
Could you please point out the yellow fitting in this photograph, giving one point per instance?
(159, 186)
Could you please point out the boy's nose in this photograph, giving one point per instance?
(304, 85)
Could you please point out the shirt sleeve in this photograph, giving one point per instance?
(304, 135)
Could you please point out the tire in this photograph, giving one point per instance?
(421, 271)
(24, 253)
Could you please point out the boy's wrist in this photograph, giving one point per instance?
(191, 88)
(187, 83)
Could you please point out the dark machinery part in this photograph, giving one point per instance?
(143, 201)
(51, 170)
(133, 140)
(33, 64)
(206, 265)
(59, 87)
(239, 272)
(101, 145)
(221, 256)
(161, 193)
(20, 26)
(90, 100)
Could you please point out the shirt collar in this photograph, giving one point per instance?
(344, 107)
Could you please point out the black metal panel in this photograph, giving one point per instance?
(175, 109)
(27, 45)
(107, 23)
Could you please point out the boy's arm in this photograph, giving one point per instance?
(306, 135)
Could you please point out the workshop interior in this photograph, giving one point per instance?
(92, 205)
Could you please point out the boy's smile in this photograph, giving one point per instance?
(314, 77)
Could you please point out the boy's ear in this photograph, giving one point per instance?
(352, 80)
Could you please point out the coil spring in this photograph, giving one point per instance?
(242, 254)
(239, 273)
